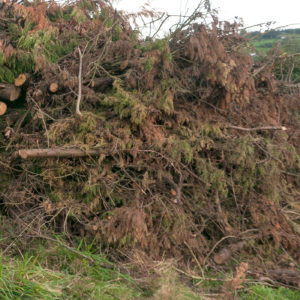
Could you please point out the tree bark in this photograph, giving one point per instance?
(9, 92)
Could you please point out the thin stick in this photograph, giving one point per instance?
(78, 113)
(195, 258)
(20, 234)
(160, 26)
(55, 152)
(258, 128)
(45, 126)
(199, 277)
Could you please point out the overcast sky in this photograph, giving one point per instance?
(284, 12)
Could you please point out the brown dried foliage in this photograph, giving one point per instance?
(171, 178)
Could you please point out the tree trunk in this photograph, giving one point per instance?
(9, 92)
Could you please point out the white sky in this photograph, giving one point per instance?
(284, 12)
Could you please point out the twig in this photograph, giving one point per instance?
(200, 277)
(78, 113)
(195, 258)
(160, 26)
(65, 222)
(234, 194)
(268, 153)
(180, 26)
(258, 128)
(20, 234)
(45, 126)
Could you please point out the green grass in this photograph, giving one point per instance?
(260, 292)
(55, 272)
(264, 45)
(290, 44)
(58, 273)
(51, 271)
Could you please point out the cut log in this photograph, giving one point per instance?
(3, 108)
(53, 88)
(21, 79)
(56, 152)
(100, 84)
(9, 92)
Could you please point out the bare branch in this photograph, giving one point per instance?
(258, 128)
(78, 113)
(55, 152)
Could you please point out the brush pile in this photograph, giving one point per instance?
(174, 146)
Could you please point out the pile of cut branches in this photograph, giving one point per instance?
(178, 146)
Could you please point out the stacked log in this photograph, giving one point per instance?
(11, 92)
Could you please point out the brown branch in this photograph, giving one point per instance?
(200, 277)
(55, 152)
(78, 113)
(20, 234)
(258, 128)
(160, 26)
